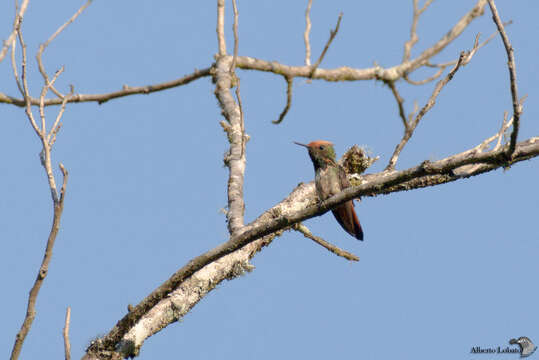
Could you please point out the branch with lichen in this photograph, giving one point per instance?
(300, 205)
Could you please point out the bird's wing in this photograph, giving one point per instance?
(343, 178)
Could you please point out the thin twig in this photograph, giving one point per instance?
(484, 145)
(16, 26)
(244, 137)
(289, 80)
(27, 101)
(307, 33)
(51, 138)
(400, 102)
(517, 108)
(236, 78)
(332, 35)
(441, 67)
(413, 29)
(472, 52)
(61, 28)
(48, 85)
(65, 174)
(67, 344)
(504, 127)
(236, 38)
(432, 100)
(334, 249)
(498, 136)
(221, 27)
(427, 80)
(43, 46)
(14, 67)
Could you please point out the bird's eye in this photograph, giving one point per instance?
(321, 147)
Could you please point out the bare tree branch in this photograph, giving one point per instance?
(51, 138)
(277, 219)
(307, 33)
(221, 27)
(247, 63)
(334, 249)
(436, 75)
(400, 102)
(236, 79)
(413, 29)
(441, 67)
(67, 344)
(484, 145)
(375, 73)
(409, 130)
(16, 26)
(24, 78)
(236, 40)
(517, 108)
(235, 158)
(48, 86)
(332, 35)
(126, 91)
(42, 273)
(289, 81)
(57, 199)
(43, 46)
(14, 69)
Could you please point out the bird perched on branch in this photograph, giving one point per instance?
(330, 179)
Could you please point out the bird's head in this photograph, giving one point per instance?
(321, 152)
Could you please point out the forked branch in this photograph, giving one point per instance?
(409, 129)
(47, 141)
(332, 35)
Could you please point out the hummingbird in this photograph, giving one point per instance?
(330, 179)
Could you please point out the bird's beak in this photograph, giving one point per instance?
(300, 144)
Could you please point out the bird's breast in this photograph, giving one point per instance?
(327, 183)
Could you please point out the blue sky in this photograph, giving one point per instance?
(442, 269)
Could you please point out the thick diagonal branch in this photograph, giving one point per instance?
(303, 199)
